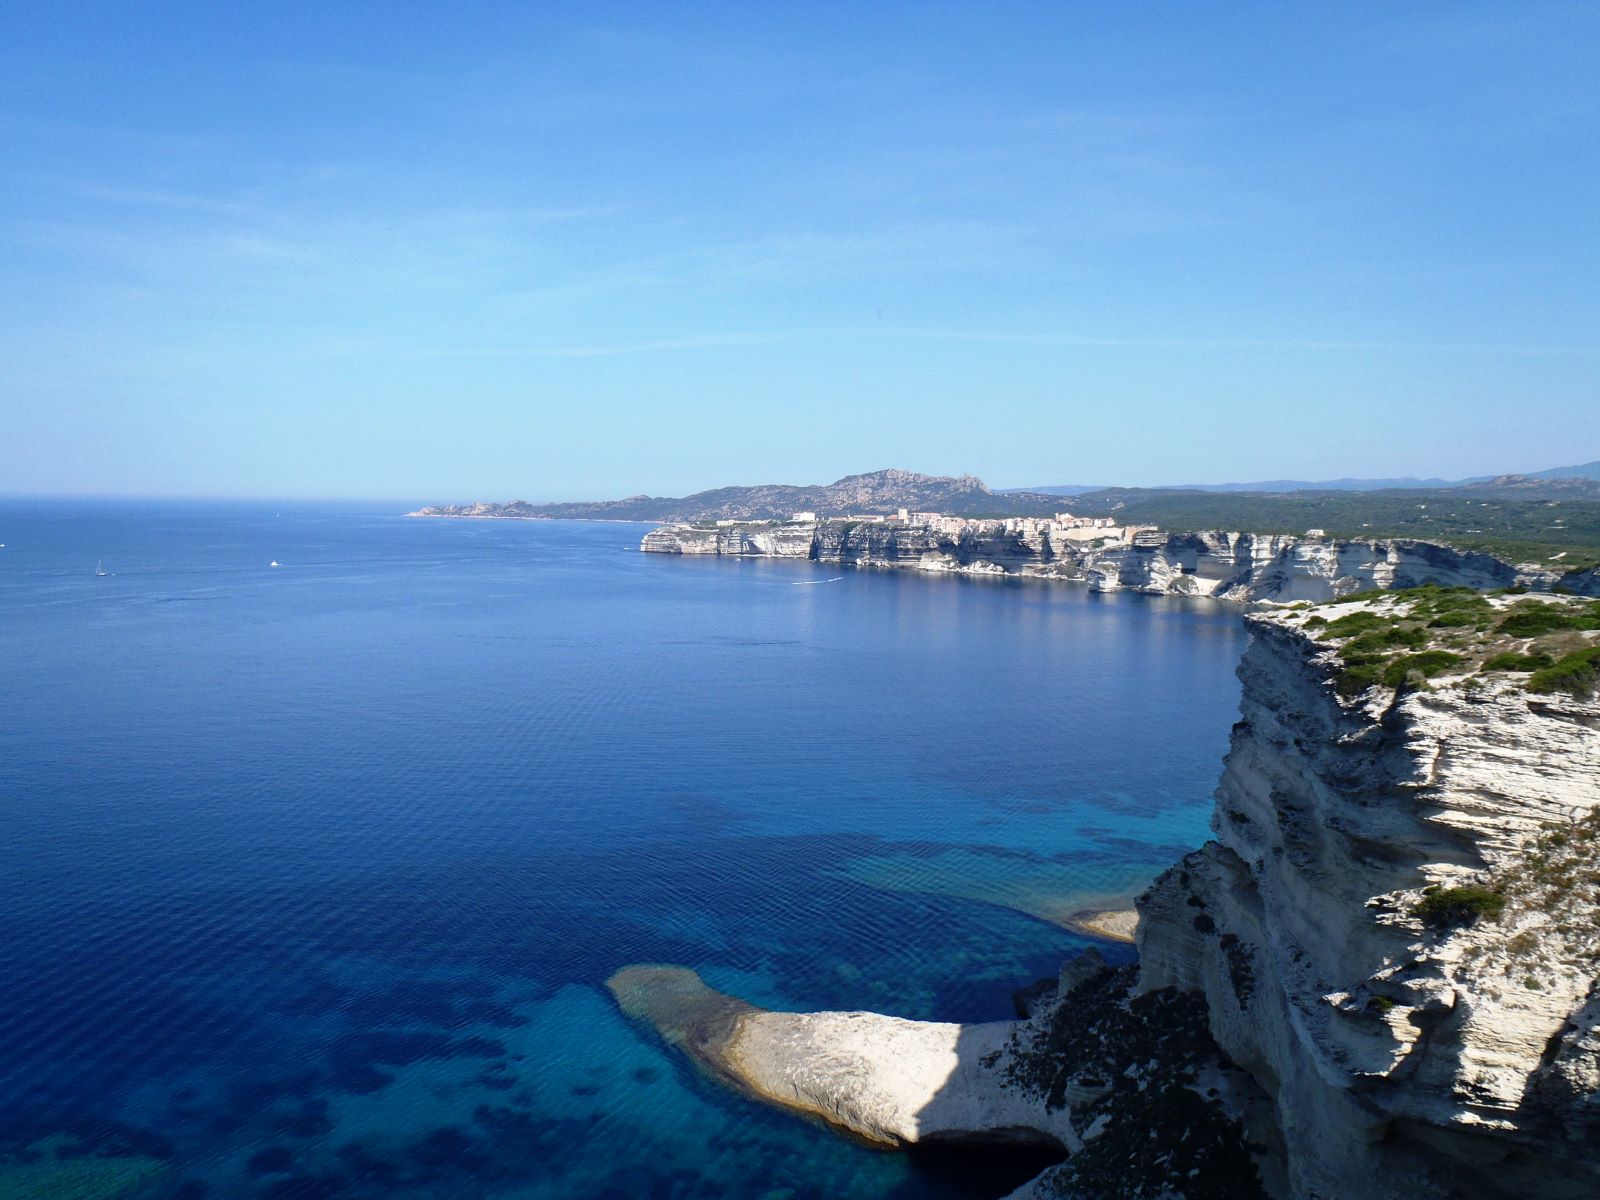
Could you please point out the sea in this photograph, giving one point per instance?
(324, 826)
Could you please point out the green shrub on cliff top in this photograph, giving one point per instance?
(1356, 623)
(1426, 664)
(1578, 673)
(1442, 907)
(1352, 597)
(1386, 639)
(1532, 620)
(1511, 660)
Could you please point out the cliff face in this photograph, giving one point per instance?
(1229, 566)
(1246, 566)
(1414, 1044)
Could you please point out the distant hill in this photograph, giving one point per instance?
(1583, 471)
(1053, 489)
(1590, 471)
(874, 492)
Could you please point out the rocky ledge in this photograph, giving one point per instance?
(1088, 1073)
(1225, 565)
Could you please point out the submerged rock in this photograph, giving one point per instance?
(65, 1167)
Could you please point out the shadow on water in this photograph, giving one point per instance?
(983, 1169)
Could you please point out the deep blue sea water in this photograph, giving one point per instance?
(312, 874)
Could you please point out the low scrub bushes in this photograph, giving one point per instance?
(1426, 664)
(1511, 660)
(1442, 907)
(1577, 673)
(1535, 620)
(1356, 623)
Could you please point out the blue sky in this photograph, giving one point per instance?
(551, 251)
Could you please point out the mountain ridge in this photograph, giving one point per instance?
(880, 492)
(1585, 471)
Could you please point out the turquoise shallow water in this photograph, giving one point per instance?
(314, 872)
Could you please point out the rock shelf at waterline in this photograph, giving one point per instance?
(1087, 1075)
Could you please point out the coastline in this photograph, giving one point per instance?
(1232, 565)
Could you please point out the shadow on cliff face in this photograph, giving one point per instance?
(1144, 1083)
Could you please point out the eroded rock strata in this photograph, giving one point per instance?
(1225, 565)
(1382, 978)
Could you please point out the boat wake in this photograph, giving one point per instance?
(811, 582)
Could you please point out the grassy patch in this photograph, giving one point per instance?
(1356, 623)
(1387, 639)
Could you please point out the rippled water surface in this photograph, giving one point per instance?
(313, 874)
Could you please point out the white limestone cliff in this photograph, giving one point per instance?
(1242, 567)
(1401, 1059)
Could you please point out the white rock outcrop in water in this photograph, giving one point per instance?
(891, 1081)
(888, 1080)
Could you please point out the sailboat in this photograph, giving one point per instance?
(100, 568)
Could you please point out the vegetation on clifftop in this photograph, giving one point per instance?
(1560, 534)
(1405, 638)
(1132, 1064)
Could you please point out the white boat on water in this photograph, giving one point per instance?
(273, 563)
(100, 568)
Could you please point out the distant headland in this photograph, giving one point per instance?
(1548, 520)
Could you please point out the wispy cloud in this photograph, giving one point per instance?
(737, 339)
